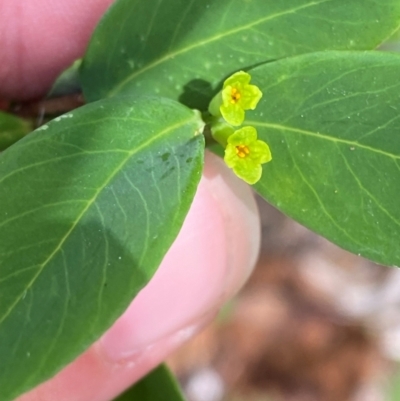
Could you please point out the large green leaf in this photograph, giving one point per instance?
(158, 385)
(12, 129)
(183, 48)
(333, 124)
(89, 204)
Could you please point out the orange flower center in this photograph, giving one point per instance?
(235, 95)
(242, 151)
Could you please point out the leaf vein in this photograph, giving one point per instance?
(56, 159)
(322, 137)
(86, 208)
(211, 39)
(323, 208)
(361, 186)
(41, 207)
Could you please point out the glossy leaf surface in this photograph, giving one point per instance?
(89, 205)
(332, 121)
(158, 385)
(12, 129)
(183, 49)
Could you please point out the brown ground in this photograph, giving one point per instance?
(282, 336)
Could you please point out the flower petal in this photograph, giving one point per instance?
(251, 95)
(239, 77)
(232, 113)
(261, 152)
(243, 136)
(231, 158)
(248, 173)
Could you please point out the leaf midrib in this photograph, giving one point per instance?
(87, 207)
(132, 76)
(322, 136)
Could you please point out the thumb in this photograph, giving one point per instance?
(38, 39)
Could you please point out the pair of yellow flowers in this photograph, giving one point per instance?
(244, 153)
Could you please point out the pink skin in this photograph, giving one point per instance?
(209, 261)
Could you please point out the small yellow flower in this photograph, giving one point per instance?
(244, 153)
(237, 96)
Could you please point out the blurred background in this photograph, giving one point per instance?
(313, 323)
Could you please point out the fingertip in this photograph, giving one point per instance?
(241, 218)
(41, 38)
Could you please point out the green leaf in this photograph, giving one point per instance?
(67, 82)
(332, 121)
(89, 205)
(393, 387)
(12, 129)
(183, 49)
(158, 385)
